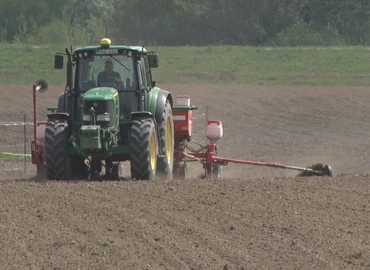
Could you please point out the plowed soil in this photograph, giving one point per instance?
(253, 218)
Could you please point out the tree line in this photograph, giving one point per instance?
(187, 22)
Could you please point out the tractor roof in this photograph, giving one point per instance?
(106, 43)
(132, 48)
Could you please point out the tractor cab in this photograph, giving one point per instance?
(121, 67)
(126, 69)
(116, 70)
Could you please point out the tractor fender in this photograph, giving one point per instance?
(157, 103)
(140, 114)
(59, 116)
(61, 102)
(162, 97)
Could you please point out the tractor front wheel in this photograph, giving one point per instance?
(60, 165)
(143, 149)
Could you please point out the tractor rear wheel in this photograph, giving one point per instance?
(143, 149)
(60, 165)
(166, 142)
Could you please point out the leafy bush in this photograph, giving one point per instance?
(303, 34)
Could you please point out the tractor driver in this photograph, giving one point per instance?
(108, 75)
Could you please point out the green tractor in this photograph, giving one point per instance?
(107, 116)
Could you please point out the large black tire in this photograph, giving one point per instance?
(166, 142)
(60, 165)
(143, 149)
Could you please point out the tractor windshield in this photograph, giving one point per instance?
(106, 70)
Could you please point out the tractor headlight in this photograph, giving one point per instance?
(86, 117)
(103, 118)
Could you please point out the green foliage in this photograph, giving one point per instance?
(179, 22)
(87, 20)
(40, 21)
(350, 17)
(303, 34)
(21, 19)
(205, 22)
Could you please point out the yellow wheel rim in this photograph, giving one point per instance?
(168, 142)
(152, 152)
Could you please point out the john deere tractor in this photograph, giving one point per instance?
(100, 123)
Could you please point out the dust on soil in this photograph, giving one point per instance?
(254, 217)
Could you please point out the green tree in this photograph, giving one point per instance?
(87, 20)
(350, 17)
(186, 22)
(21, 19)
(179, 22)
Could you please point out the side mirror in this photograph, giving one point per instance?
(153, 60)
(41, 86)
(58, 61)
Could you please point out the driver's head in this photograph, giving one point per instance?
(108, 66)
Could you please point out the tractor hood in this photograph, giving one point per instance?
(101, 93)
(105, 104)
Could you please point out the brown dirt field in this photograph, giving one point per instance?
(253, 218)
